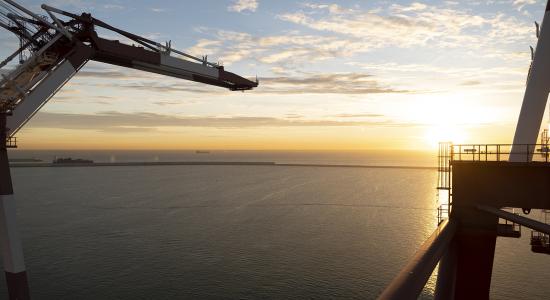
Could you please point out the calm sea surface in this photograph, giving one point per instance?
(238, 232)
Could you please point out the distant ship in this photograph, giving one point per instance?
(202, 152)
(69, 160)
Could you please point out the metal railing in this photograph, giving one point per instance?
(540, 239)
(500, 152)
(443, 212)
(11, 142)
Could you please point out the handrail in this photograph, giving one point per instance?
(410, 281)
(500, 152)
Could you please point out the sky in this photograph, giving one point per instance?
(340, 75)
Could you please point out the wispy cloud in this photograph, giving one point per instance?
(416, 24)
(306, 83)
(341, 32)
(354, 116)
(292, 48)
(334, 83)
(471, 82)
(113, 6)
(116, 121)
(244, 5)
(520, 4)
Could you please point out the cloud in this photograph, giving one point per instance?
(411, 25)
(167, 103)
(293, 116)
(116, 121)
(332, 83)
(337, 32)
(332, 8)
(366, 115)
(471, 82)
(291, 49)
(426, 68)
(103, 74)
(167, 87)
(244, 5)
(464, 76)
(113, 6)
(520, 4)
(286, 83)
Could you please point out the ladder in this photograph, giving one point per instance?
(444, 181)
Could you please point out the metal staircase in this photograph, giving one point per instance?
(444, 181)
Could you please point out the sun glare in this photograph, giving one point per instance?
(446, 118)
(444, 133)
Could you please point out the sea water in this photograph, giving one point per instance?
(237, 232)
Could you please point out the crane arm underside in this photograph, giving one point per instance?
(116, 53)
(58, 53)
(53, 79)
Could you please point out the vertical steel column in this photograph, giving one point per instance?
(12, 252)
(446, 275)
(475, 255)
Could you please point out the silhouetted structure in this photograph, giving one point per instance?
(51, 52)
(481, 180)
(70, 160)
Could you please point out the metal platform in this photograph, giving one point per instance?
(509, 229)
(540, 242)
(478, 181)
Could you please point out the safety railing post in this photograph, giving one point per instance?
(496, 152)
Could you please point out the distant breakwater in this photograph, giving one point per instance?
(210, 163)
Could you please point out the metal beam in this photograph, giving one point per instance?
(536, 92)
(411, 280)
(529, 223)
(35, 16)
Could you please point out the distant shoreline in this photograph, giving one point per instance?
(210, 163)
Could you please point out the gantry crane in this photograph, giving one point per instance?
(52, 50)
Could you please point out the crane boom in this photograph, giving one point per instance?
(51, 51)
(60, 48)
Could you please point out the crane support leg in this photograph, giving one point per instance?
(12, 252)
(476, 251)
(536, 94)
(446, 274)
